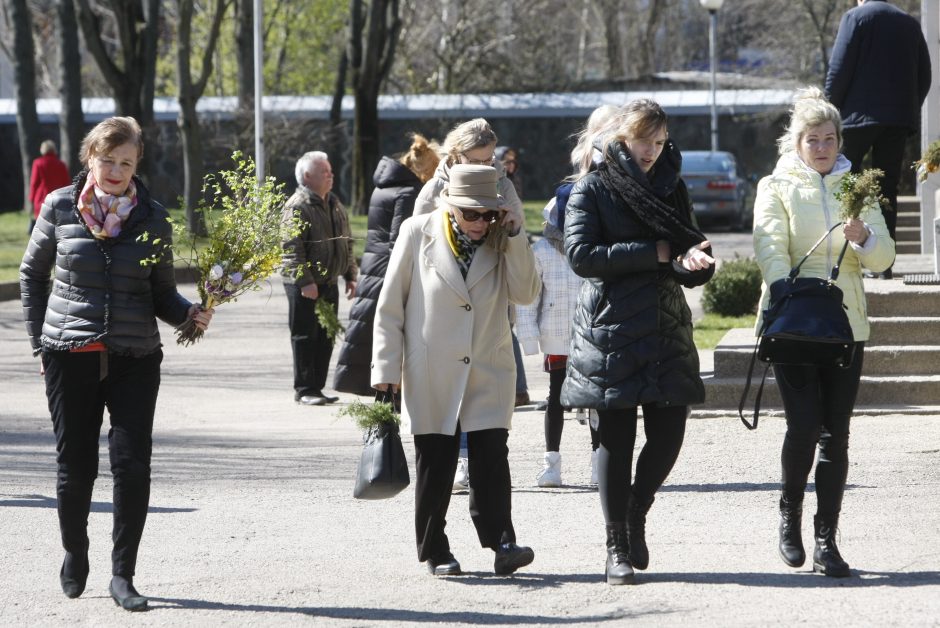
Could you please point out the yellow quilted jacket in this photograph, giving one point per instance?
(794, 207)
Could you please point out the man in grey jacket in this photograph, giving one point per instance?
(879, 74)
(313, 261)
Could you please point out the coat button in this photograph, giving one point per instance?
(467, 307)
(466, 360)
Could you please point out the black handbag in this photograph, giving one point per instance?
(805, 324)
(383, 468)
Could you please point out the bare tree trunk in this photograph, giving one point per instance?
(72, 119)
(647, 44)
(336, 134)
(611, 12)
(821, 14)
(244, 53)
(132, 86)
(190, 92)
(372, 41)
(24, 74)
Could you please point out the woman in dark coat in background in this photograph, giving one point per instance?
(629, 232)
(397, 183)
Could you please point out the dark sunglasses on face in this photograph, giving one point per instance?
(471, 215)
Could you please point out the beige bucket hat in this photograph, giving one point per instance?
(473, 187)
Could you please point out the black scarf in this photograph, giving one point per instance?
(663, 220)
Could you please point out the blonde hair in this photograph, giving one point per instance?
(108, 135)
(422, 157)
(638, 119)
(48, 146)
(467, 136)
(600, 124)
(810, 109)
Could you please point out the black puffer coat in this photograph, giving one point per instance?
(632, 332)
(393, 200)
(77, 290)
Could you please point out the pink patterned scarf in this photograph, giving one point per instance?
(105, 213)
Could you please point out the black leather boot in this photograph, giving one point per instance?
(636, 524)
(791, 536)
(619, 570)
(826, 557)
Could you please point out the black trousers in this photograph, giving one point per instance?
(310, 344)
(78, 395)
(818, 403)
(665, 431)
(555, 413)
(490, 488)
(886, 144)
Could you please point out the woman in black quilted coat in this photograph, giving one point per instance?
(92, 289)
(629, 232)
(397, 183)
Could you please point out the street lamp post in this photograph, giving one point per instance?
(712, 6)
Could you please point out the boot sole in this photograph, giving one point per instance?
(519, 560)
(832, 573)
(619, 580)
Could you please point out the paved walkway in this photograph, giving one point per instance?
(252, 519)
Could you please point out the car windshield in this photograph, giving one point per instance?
(707, 162)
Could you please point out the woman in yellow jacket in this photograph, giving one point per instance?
(795, 206)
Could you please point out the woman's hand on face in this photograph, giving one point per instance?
(855, 231)
(384, 387)
(696, 258)
(201, 317)
(512, 219)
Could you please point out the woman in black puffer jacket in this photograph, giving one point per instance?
(92, 288)
(397, 183)
(629, 232)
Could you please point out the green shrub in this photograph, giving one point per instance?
(734, 290)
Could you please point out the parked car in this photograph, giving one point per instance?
(720, 196)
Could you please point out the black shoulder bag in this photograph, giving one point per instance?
(383, 468)
(805, 324)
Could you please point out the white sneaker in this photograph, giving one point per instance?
(594, 467)
(550, 475)
(581, 416)
(462, 477)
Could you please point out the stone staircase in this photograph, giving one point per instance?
(901, 373)
(908, 228)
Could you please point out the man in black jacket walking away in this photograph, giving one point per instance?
(879, 74)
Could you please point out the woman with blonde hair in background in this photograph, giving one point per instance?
(795, 206)
(397, 183)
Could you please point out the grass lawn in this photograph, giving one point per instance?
(708, 331)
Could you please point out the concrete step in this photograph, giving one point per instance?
(907, 234)
(881, 361)
(873, 392)
(893, 298)
(908, 248)
(901, 330)
(909, 219)
(909, 204)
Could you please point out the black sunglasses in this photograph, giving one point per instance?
(471, 215)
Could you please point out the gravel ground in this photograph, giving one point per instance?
(252, 521)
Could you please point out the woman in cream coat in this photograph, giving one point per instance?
(441, 331)
(795, 206)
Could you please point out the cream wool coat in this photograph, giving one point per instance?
(794, 207)
(447, 339)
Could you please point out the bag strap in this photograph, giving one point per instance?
(747, 388)
(796, 269)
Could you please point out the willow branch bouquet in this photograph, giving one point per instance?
(245, 232)
(929, 162)
(858, 191)
(371, 416)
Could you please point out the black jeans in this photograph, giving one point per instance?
(77, 395)
(818, 403)
(490, 488)
(887, 153)
(310, 344)
(665, 431)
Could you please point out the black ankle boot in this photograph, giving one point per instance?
(619, 570)
(826, 557)
(636, 525)
(125, 595)
(791, 537)
(74, 573)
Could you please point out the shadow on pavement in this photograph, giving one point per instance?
(41, 501)
(804, 579)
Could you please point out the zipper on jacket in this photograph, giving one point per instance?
(825, 205)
